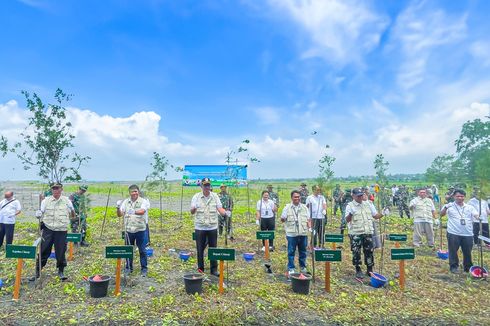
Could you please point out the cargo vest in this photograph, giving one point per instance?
(206, 216)
(134, 223)
(362, 219)
(56, 215)
(296, 223)
(423, 210)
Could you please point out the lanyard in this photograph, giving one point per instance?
(459, 212)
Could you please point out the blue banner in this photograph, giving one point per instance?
(230, 175)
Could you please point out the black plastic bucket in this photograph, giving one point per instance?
(193, 283)
(300, 284)
(98, 289)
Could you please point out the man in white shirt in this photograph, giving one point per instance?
(481, 206)
(423, 212)
(9, 209)
(317, 205)
(206, 206)
(460, 218)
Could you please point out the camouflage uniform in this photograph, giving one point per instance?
(303, 192)
(336, 197)
(273, 196)
(401, 198)
(449, 195)
(79, 202)
(227, 203)
(364, 242)
(345, 199)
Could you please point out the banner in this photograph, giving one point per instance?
(230, 175)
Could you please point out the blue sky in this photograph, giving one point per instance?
(192, 79)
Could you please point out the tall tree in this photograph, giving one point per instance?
(47, 141)
(441, 169)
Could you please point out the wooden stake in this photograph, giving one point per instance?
(18, 275)
(402, 275)
(117, 290)
(327, 276)
(70, 251)
(221, 276)
(266, 241)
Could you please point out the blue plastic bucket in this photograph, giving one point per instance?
(149, 252)
(478, 272)
(378, 280)
(444, 255)
(184, 255)
(248, 256)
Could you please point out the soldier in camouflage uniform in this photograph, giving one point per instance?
(79, 224)
(449, 195)
(273, 196)
(225, 221)
(360, 215)
(401, 197)
(345, 199)
(337, 193)
(303, 192)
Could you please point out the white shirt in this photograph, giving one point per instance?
(144, 205)
(419, 201)
(265, 208)
(351, 209)
(315, 203)
(460, 219)
(146, 210)
(484, 209)
(7, 213)
(284, 213)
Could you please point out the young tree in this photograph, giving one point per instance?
(381, 167)
(156, 180)
(47, 141)
(325, 175)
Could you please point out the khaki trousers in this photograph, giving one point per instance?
(421, 228)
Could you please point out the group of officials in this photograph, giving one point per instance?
(304, 215)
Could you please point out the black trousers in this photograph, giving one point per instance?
(203, 239)
(48, 239)
(476, 232)
(453, 244)
(7, 231)
(268, 224)
(319, 228)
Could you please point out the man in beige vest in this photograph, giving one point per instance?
(134, 209)
(359, 215)
(206, 207)
(423, 212)
(55, 214)
(297, 224)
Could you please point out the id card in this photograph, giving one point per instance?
(463, 221)
(266, 213)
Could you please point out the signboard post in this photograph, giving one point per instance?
(333, 238)
(21, 253)
(221, 254)
(328, 256)
(71, 238)
(402, 254)
(266, 236)
(118, 252)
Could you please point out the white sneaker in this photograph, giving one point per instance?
(263, 249)
(304, 270)
(291, 271)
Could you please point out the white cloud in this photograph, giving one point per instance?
(481, 51)
(267, 115)
(418, 31)
(340, 31)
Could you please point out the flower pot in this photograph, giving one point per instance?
(193, 283)
(300, 282)
(377, 280)
(99, 285)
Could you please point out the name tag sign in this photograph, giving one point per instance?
(221, 254)
(119, 252)
(397, 237)
(18, 251)
(402, 253)
(73, 237)
(265, 235)
(328, 255)
(334, 237)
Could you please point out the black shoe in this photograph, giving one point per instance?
(369, 271)
(215, 273)
(454, 270)
(62, 276)
(33, 278)
(359, 273)
(84, 244)
(144, 272)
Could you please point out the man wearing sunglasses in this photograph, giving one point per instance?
(55, 214)
(206, 208)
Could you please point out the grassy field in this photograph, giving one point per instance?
(432, 295)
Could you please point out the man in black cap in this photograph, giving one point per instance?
(273, 196)
(206, 208)
(359, 215)
(79, 225)
(225, 221)
(303, 191)
(55, 214)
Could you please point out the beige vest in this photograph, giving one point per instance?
(206, 216)
(423, 210)
(296, 223)
(56, 215)
(362, 219)
(134, 223)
